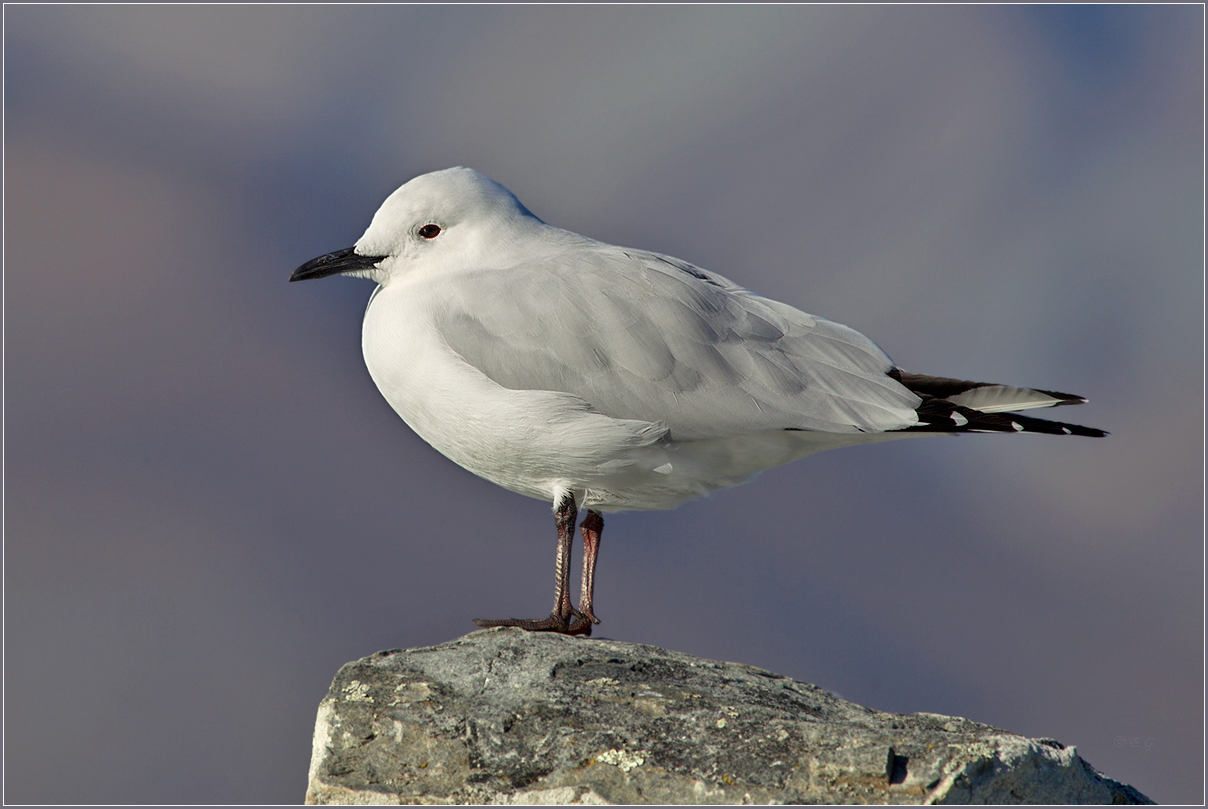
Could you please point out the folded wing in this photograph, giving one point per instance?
(643, 336)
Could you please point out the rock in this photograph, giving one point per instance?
(507, 716)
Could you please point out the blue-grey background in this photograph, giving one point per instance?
(209, 507)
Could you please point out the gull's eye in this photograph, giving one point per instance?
(430, 231)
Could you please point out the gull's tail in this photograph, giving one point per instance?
(960, 406)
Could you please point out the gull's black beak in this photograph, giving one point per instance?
(333, 264)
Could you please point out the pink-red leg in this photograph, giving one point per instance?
(559, 619)
(592, 527)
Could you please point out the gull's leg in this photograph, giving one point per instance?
(592, 527)
(559, 618)
(564, 519)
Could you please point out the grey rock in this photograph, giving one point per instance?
(506, 716)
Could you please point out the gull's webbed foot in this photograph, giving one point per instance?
(573, 623)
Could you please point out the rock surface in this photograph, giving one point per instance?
(507, 716)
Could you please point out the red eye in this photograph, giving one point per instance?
(429, 231)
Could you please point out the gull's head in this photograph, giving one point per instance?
(446, 219)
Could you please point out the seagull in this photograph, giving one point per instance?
(607, 378)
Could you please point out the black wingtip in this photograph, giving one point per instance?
(942, 387)
(942, 408)
(942, 416)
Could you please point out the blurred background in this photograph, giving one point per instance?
(210, 508)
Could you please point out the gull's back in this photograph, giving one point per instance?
(642, 336)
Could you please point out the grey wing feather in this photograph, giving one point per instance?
(643, 336)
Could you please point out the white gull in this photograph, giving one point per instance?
(608, 378)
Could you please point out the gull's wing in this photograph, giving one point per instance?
(643, 336)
